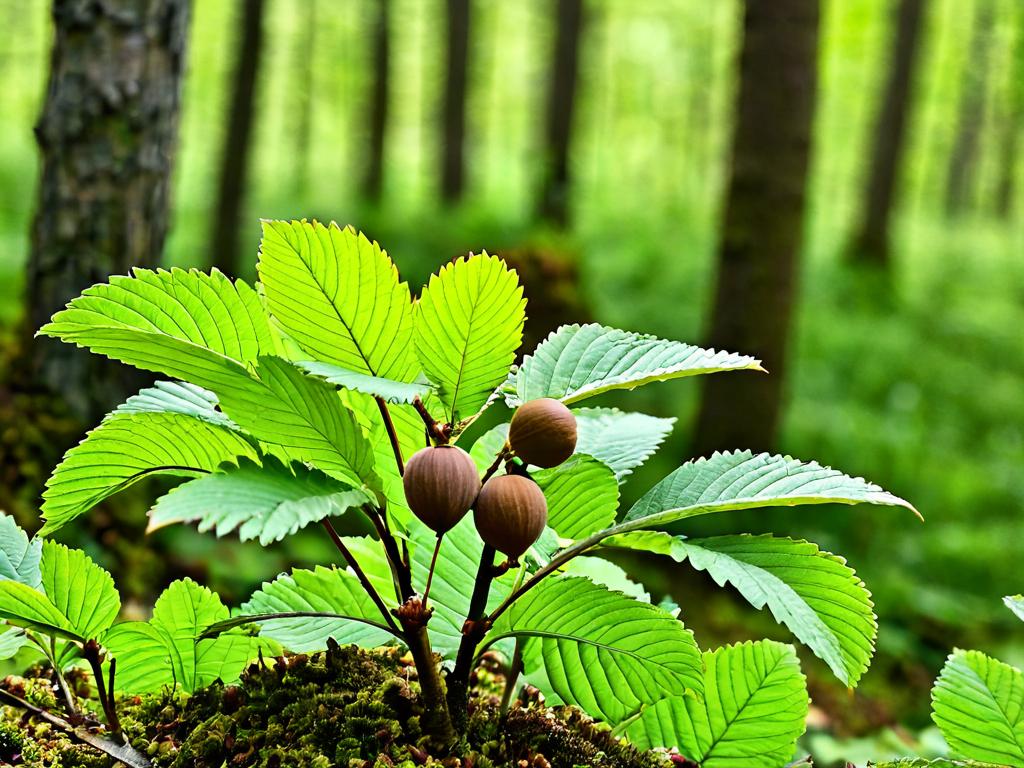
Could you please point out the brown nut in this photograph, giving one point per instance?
(543, 432)
(441, 485)
(510, 514)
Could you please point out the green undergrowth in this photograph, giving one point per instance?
(343, 707)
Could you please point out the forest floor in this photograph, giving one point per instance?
(343, 707)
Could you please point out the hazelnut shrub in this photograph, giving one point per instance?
(306, 397)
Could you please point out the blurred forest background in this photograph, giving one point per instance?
(836, 187)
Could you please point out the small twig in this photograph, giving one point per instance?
(62, 686)
(435, 430)
(430, 573)
(124, 753)
(91, 653)
(514, 670)
(400, 569)
(389, 426)
(360, 574)
(503, 454)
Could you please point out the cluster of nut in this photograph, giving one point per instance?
(510, 511)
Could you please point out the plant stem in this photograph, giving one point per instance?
(472, 633)
(389, 426)
(51, 656)
(514, 670)
(360, 574)
(91, 653)
(503, 454)
(121, 752)
(400, 569)
(435, 430)
(437, 720)
(430, 573)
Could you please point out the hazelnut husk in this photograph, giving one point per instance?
(441, 484)
(543, 432)
(510, 514)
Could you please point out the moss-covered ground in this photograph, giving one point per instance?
(343, 707)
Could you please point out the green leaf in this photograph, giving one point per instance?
(919, 762)
(454, 577)
(181, 614)
(607, 574)
(77, 599)
(19, 555)
(487, 447)
(12, 640)
(599, 650)
(351, 616)
(187, 325)
(392, 391)
(83, 592)
(305, 418)
(338, 296)
(143, 656)
(978, 705)
(469, 324)
(753, 711)
(580, 361)
(177, 397)
(619, 439)
(742, 480)
(582, 496)
(267, 502)
(125, 448)
(1016, 604)
(814, 593)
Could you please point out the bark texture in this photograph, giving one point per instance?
(237, 141)
(554, 198)
(758, 255)
(107, 138)
(453, 119)
(872, 241)
(373, 184)
(963, 160)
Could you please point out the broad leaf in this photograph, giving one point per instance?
(580, 361)
(304, 418)
(392, 391)
(77, 599)
(19, 555)
(487, 447)
(742, 480)
(454, 576)
(978, 704)
(143, 654)
(125, 448)
(753, 711)
(600, 650)
(338, 296)
(265, 502)
(814, 593)
(619, 439)
(582, 496)
(1016, 604)
(469, 324)
(607, 574)
(12, 640)
(352, 616)
(187, 325)
(177, 397)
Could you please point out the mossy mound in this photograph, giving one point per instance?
(343, 707)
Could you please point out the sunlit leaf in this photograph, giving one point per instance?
(582, 496)
(19, 555)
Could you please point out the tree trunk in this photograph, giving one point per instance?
(553, 204)
(963, 160)
(224, 240)
(373, 184)
(454, 114)
(872, 244)
(757, 260)
(107, 137)
(303, 56)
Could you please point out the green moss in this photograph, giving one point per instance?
(343, 707)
